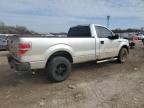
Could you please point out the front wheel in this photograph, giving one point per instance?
(123, 55)
(58, 69)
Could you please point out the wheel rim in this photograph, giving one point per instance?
(61, 70)
(124, 56)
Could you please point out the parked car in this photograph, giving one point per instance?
(132, 40)
(3, 42)
(57, 54)
(141, 36)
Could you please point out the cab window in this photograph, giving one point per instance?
(79, 31)
(103, 32)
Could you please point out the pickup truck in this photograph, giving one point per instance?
(56, 55)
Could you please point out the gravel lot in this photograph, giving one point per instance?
(90, 85)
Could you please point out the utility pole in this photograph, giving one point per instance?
(142, 30)
(108, 20)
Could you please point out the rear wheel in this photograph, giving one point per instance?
(58, 69)
(123, 55)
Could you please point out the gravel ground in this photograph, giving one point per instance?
(90, 85)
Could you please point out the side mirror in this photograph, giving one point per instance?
(116, 36)
(111, 37)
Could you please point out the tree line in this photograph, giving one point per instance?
(5, 29)
(129, 30)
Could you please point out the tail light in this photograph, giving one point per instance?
(23, 48)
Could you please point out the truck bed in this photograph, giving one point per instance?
(42, 47)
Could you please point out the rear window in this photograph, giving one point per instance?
(79, 31)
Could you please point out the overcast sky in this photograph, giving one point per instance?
(59, 15)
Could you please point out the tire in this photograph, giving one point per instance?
(58, 69)
(123, 55)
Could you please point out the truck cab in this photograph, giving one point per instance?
(107, 44)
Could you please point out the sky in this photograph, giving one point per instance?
(59, 15)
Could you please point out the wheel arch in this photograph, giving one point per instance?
(62, 54)
(124, 46)
(63, 50)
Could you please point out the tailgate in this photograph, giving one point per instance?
(13, 46)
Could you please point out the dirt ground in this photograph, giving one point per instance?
(90, 85)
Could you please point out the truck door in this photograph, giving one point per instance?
(107, 47)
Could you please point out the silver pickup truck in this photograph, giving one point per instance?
(56, 54)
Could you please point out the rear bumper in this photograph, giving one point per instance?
(18, 66)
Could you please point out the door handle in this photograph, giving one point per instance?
(102, 42)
